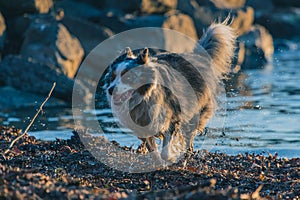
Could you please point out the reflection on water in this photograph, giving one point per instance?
(262, 114)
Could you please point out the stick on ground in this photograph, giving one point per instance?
(31, 122)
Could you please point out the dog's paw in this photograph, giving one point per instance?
(157, 160)
(142, 149)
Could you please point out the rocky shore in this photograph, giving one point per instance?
(64, 169)
(46, 41)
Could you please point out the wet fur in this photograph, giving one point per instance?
(181, 120)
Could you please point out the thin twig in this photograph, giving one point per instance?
(31, 122)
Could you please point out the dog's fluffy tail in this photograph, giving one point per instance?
(219, 42)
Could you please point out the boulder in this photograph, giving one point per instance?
(78, 9)
(171, 20)
(243, 20)
(157, 6)
(49, 41)
(112, 20)
(2, 33)
(259, 49)
(199, 14)
(282, 23)
(143, 6)
(204, 15)
(89, 34)
(261, 7)
(239, 57)
(16, 27)
(182, 23)
(280, 3)
(19, 7)
(229, 4)
(98, 3)
(30, 76)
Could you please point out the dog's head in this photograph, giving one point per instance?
(129, 75)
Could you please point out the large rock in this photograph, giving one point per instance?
(204, 15)
(18, 7)
(89, 34)
(172, 20)
(49, 42)
(112, 20)
(243, 20)
(143, 6)
(157, 6)
(182, 23)
(16, 27)
(77, 9)
(280, 3)
(30, 76)
(2, 32)
(282, 23)
(260, 6)
(229, 4)
(199, 14)
(258, 45)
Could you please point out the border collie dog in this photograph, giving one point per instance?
(159, 94)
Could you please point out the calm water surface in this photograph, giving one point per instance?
(261, 114)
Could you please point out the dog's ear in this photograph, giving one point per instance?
(128, 52)
(143, 57)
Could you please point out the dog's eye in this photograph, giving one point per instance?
(123, 72)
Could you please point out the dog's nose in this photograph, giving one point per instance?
(111, 89)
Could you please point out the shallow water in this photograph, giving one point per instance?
(262, 114)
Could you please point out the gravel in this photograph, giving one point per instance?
(64, 169)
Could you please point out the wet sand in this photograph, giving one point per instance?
(64, 169)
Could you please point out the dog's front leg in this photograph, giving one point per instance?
(150, 143)
(152, 148)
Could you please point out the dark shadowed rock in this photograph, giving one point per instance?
(18, 7)
(280, 3)
(112, 20)
(171, 20)
(157, 6)
(204, 15)
(143, 6)
(78, 9)
(259, 47)
(97, 3)
(261, 7)
(16, 27)
(2, 32)
(200, 15)
(89, 34)
(49, 42)
(129, 6)
(30, 76)
(282, 23)
(229, 4)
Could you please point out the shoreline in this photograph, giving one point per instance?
(52, 135)
(65, 169)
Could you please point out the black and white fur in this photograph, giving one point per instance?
(177, 119)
